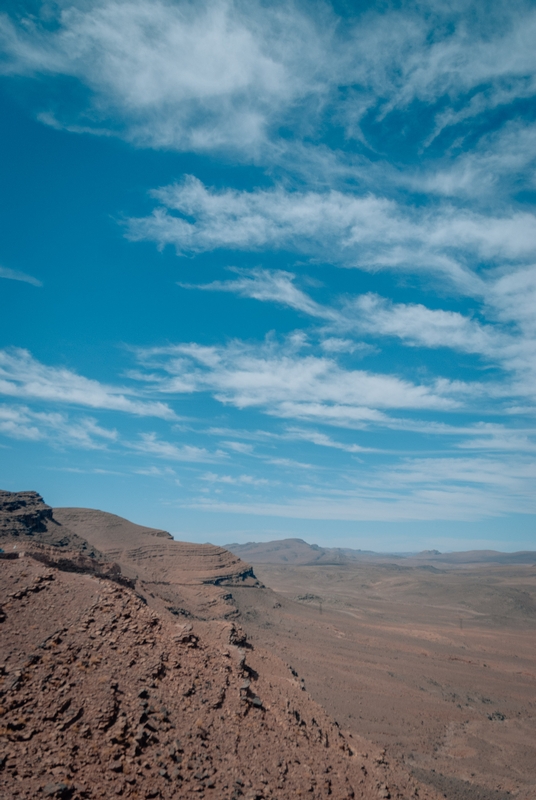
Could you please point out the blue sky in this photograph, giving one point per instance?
(270, 269)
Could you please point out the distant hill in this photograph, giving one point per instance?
(297, 552)
(479, 557)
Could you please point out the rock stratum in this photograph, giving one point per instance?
(124, 673)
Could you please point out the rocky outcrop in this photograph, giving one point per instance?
(102, 697)
(26, 520)
(73, 561)
(23, 514)
(192, 579)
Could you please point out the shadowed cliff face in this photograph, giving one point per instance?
(105, 691)
(23, 513)
(26, 520)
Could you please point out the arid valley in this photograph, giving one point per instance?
(137, 666)
(435, 660)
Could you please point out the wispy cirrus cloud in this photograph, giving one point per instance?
(323, 440)
(284, 382)
(289, 464)
(510, 346)
(237, 480)
(507, 339)
(186, 76)
(228, 74)
(418, 325)
(239, 447)
(16, 275)
(368, 232)
(151, 444)
(22, 376)
(22, 423)
(416, 489)
(498, 438)
(503, 162)
(157, 472)
(268, 286)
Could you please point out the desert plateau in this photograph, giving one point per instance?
(137, 666)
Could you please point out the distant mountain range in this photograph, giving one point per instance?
(298, 552)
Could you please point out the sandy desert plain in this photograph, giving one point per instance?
(432, 656)
(136, 666)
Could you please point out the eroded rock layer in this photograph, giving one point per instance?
(153, 553)
(193, 580)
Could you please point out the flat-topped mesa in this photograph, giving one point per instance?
(154, 555)
(192, 580)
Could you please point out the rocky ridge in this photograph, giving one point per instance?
(191, 580)
(105, 692)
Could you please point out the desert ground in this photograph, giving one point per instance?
(436, 663)
(133, 665)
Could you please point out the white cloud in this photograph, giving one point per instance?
(513, 296)
(20, 422)
(289, 463)
(15, 275)
(418, 489)
(23, 376)
(508, 340)
(247, 480)
(334, 344)
(266, 285)
(157, 472)
(502, 161)
(512, 347)
(491, 51)
(280, 380)
(185, 75)
(323, 440)
(239, 447)
(340, 227)
(150, 444)
(489, 436)
(421, 326)
(227, 73)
